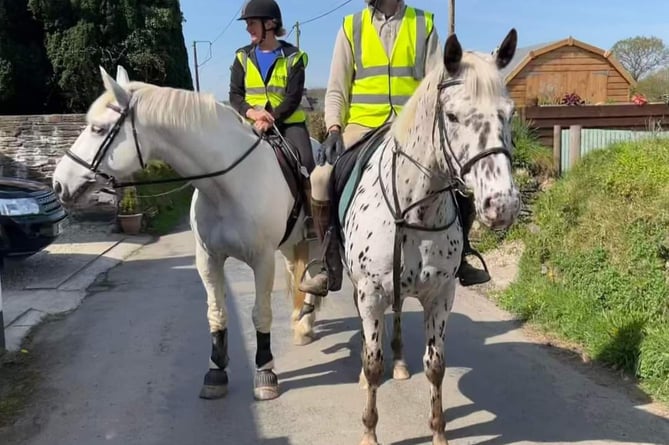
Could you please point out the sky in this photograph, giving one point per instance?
(479, 24)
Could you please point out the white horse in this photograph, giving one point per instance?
(240, 207)
(401, 234)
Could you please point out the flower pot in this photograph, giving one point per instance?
(131, 224)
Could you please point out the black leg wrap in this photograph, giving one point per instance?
(263, 351)
(333, 260)
(307, 308)
(219, 348)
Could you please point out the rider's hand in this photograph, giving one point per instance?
(261, 125)
(260, 114)
(331, 148)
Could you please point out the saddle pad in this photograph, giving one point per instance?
(349, 167)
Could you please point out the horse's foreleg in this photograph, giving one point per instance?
(304, 305)
(400, 368)
(371, 310)
(266, 383)
(210, 269)
(436, 316)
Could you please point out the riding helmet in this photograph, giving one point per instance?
(261, 9)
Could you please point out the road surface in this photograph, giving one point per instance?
(126, 368)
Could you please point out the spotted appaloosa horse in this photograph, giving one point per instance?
(402, 236)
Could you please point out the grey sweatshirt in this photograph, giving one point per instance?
(341, 69)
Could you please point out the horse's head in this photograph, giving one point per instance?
(473, 118)
(107, 148)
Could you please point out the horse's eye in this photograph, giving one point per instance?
(98, 130)
(452, 117)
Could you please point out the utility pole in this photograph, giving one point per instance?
(197, 74)
(297, 33)
(451, 17)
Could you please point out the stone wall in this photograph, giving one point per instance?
(30, 147)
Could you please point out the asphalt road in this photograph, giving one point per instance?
(126, 368)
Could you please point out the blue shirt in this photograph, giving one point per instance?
(266, 60)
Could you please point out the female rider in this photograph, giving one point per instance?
(267, 78)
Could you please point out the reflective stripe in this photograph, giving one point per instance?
(375, 99)
(421, 45)
(417, 70)
(268, 89)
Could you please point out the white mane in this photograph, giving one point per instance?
(171, 107)
(482, 81)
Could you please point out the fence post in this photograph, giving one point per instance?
(574, 145)
(557, 149)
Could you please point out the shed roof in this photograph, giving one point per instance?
(525, 55)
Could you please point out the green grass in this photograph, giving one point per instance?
(163, 213)
(18, 382)
(597, 272)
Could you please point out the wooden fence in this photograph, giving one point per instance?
(615, 117)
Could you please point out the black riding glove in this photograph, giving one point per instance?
(331, 148)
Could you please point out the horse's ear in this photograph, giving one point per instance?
(452, 55)
(507, 49)
(121, 95)
(122, 76)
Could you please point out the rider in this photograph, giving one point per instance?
(377, 95)
(267, 78)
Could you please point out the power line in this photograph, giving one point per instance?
(234, 16)
(304, 22)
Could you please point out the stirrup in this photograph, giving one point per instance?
(471, 251)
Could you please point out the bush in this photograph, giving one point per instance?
(316, 125)
(164, 205)
(597, 271)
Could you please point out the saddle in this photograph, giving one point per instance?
(295, 175)
(348, 169)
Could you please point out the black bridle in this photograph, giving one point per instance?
(111, 181)
(454, 182)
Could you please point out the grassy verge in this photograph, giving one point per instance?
(17, 385)
(162, 211)
(596, 272)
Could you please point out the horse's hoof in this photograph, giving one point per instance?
(302, 340)
(439, 439)
(215, 384)
(401, 371)
(265, 385)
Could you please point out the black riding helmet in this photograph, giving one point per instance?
(262, 9)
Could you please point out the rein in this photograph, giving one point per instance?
(94, 166)
(455, 182)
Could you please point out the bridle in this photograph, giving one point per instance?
(454, 183)
(111, 181)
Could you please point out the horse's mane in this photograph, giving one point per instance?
(171, 107)
(482, 81)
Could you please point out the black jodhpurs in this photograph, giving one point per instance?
(298, 135)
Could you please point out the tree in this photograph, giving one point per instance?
(24, 68)
(641, 55)
(143, 35)
(655, 86)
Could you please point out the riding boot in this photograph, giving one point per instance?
(468, 274)
(320, 283)
(309, 225)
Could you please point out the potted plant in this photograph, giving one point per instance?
(129, 214)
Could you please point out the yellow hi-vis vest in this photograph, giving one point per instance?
(382, 85)
(258, 93)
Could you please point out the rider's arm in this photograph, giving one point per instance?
(237, 94)
(339, 84)
(294, 92)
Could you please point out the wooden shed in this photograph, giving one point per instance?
(543, 74)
